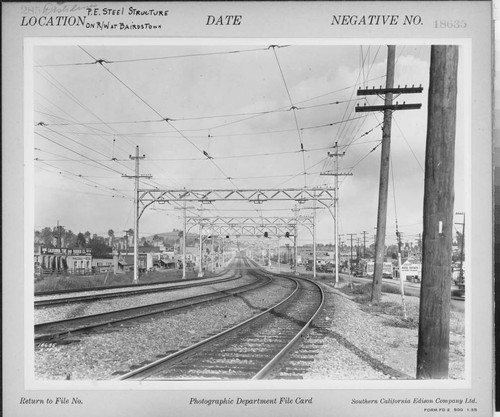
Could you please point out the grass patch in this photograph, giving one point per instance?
(75, 282)
(457, 324)
(361, 294)
(366, 289)
(401, 322)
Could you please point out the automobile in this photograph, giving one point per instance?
(359, 272)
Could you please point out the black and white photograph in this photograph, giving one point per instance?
(277, 177)
(275, 221)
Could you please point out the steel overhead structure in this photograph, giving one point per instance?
(249, 226)
(256, 196)
(244, 230)
(274, 227)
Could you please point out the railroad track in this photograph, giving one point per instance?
(113, 293)
(53, 331)
(248, 350)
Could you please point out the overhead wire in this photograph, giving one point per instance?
(118, 61)
(294, 112)
(82, 179)
(212, 157)
(126, 86)
(78, 153)
(160, 115)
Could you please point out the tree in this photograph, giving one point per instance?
(69, 239)
(99, 248)
(460, 238)
(80, 240)
(47, 237)
(58, 232)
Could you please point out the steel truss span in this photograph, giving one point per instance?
(299, 195)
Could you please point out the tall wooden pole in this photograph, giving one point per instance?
(184, 232)
(314, 239)
(279, 257)
(384, 179)
(435, 291)
(200, 270)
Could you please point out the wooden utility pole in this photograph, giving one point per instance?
(364, 243)
(461, 276)
(350, 263)
(200, 270)
(400, 273)
(136, 209)
(59, 235)
(384, 180)
(388, 108)
(336, 174)
(435, 291)
(184, 241)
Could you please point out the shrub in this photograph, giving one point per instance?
(408, 323)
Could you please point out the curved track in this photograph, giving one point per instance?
(51, 331)
(102, 293)
(247, 350)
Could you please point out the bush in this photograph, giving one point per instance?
(391, 289)
(408, 323)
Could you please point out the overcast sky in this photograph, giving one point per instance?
(235, 103)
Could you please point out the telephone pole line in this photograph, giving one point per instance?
(350, 264)
(336, 174)
(364, 243)
(435, 289)
(136, 209)
(387, 108)
(461, 276)
(400, 273)
(59, 235)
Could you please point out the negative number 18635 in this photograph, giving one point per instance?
(450, 24)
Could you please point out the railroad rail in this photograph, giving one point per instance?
(248, 350)
(54, 330)
(97, 294)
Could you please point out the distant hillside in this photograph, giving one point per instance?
(172, 238)
(171, 235)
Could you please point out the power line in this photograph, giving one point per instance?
(123, 83)
(78, 153)
(164, 119)
(404, 138)
(119, 61)
(294, 115)
(80, 178)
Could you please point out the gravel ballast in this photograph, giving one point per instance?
(349, 340)
(85, 308)
(100, 355)
(363, 344)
